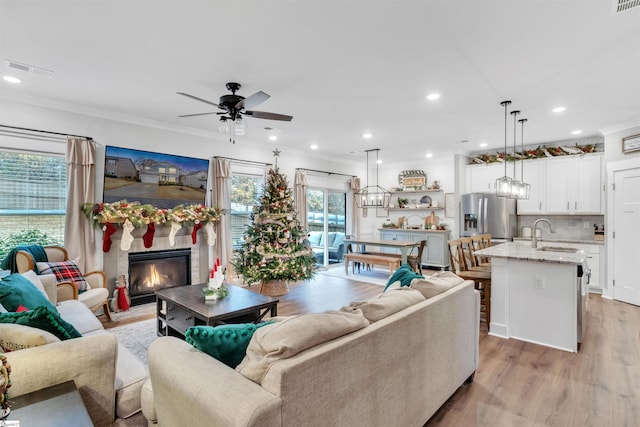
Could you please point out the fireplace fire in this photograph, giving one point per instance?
(155, 270)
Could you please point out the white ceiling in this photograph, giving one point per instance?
(339, 67)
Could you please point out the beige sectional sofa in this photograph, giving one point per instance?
(397, 370)
(108, 376)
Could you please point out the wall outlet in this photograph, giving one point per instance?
(539, 283)
(586, 225)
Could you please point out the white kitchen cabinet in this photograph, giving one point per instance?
(436, 250)
(482, 178)
(574, 185)
(535, 174)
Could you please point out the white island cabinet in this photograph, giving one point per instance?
(537, 295)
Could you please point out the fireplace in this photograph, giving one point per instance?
(155, 270)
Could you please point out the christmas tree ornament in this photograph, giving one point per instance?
(108, 230)
(127, 238)
(148, 235)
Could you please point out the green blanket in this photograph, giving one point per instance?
(37, 252)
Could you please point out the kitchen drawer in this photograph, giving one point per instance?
(179, 319)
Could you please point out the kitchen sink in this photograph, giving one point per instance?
(558, 249)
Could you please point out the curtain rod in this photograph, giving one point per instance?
(45, 131)
(328, 173)
(251, 162)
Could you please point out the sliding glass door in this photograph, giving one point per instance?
(326, 221)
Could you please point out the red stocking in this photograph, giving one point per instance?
(148, 236)
(194, 233)
(109, 229)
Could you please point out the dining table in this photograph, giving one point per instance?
(402, 245)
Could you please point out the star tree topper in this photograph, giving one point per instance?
(276, 153)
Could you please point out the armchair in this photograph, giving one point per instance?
(94, 298)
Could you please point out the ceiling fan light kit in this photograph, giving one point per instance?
(235, 107)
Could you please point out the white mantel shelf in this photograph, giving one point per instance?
(524, 251)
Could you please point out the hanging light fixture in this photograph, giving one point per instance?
(515, 184)
(373, 196)
(503, 185)
(524, 190)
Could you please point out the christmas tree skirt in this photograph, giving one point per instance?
(274, 288)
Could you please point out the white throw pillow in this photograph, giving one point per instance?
(33, 278)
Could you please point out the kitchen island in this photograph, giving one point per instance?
(539, 294)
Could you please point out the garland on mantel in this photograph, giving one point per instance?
(536, 153)
(135, 215)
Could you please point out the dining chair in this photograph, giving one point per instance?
(415, 261)
(474, 263)
(480, 278)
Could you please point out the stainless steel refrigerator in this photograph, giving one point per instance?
(482, 213)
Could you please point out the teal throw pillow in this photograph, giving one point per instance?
(16, 289)
(45, 319)
(227, 343)
(405, 275)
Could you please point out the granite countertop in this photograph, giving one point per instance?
(562, 240)
(413, 230)
(512, 250)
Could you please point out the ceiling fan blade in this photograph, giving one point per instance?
(253, 100)
(197, 114)
(198, 99)
(269, 116)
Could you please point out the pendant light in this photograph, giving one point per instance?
(373, 196)
(515, 184)
(524, 189)
(503, 185)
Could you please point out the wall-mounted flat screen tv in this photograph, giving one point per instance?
(163, 180)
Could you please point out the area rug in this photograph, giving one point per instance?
(137, 337)
(376, 276)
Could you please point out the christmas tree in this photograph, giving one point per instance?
(275, 245)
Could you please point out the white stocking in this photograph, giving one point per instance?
(175, 226)
(127, 238)
(211, 234)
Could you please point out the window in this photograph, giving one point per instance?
(33, 198)
(245, 193)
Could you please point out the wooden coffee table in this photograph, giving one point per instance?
(179, 308)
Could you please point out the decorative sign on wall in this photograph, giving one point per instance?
(412, 179)
(631, 143)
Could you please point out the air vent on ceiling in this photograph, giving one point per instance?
(620, 6)
(14, 65)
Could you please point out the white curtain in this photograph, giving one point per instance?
(222, 199)
(300, 194)
(355, 217)
(79, 235)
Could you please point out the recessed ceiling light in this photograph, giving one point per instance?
(559, 109)
(367, 135)
(314, 146)
(273, 138)
(378, 161)
(429, 155)
(483, 144)
(11, 79)
(433, 96)
(576, 132)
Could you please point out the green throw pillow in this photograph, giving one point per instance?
(16, 289)
(42, 318)
(405, 275)
(227, 343)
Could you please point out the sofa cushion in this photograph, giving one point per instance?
(227, 343)
(330, 238)
(79, 315)
(65, 271)
(42, 318)
(338, 240)
(93, 296)
(33, 278)
(16, 289)
(16, 337)
(386, 303)
(285, 339)
(405, 275)
(131, 374)
(315, 237)
(433, 285)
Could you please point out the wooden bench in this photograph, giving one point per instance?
(375, 259)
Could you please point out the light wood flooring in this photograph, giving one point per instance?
(522, 384)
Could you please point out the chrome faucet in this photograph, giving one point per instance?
(534, 238)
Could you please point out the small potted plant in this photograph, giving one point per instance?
(402, 202)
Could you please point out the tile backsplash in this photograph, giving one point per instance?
(567, 226)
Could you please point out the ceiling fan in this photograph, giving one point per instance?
(235, 106)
